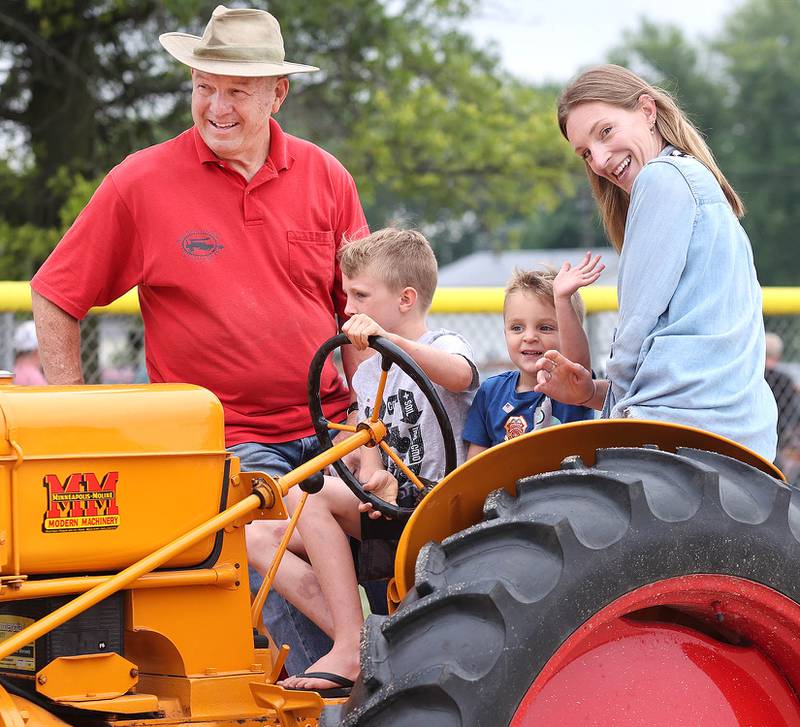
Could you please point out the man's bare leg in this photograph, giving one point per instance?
(328, 518)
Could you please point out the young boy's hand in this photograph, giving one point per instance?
(359, 328)
(569, 279)
(382, 484)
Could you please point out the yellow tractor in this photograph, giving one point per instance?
(601, 573)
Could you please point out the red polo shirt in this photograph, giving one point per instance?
(238, 281)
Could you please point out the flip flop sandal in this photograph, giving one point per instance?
(343, 690)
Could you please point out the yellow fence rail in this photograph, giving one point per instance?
(15, 297)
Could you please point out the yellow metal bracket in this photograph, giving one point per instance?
(294, 708)
(377, 431)
(87, 677)
(277, 665)
(126, 704)
(269, 491)
(13, 582)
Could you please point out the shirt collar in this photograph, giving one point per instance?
(278, 148)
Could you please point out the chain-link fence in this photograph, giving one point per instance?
(113, 352)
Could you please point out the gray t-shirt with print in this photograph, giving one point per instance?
(412, 428)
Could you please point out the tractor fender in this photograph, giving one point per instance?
(457, 501)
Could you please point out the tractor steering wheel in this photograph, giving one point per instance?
(390, 355)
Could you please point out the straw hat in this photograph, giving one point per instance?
(236, 42)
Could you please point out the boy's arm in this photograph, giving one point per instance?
(573, 340)
(370, 463)
(450, 370)
(476, 428)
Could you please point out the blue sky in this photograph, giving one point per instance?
(550, 40)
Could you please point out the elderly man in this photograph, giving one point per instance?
(230, 230)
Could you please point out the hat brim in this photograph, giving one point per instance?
(181, 47)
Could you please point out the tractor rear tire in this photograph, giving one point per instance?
(494, 602)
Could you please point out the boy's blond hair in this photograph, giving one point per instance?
(401, 258)
(540, 284)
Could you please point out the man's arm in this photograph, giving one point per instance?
(59, 337)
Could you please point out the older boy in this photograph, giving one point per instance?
(542, 311)
(389, 279)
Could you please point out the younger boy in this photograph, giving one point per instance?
(389, 278)
(542, 311)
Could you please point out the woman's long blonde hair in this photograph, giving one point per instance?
(620, 87)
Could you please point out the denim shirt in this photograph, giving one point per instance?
(689, 345)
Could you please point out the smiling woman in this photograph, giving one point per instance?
(689, 346)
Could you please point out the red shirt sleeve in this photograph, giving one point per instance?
(98, 259)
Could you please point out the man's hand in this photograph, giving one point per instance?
(561, 379)
(569, 279)
(359, 328)
(382, 484)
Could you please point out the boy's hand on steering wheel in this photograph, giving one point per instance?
(359, 328)
(384, 485)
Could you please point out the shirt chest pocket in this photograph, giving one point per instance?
(311, 258)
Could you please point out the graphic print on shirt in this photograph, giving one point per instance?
(515, 426)
(404, 436)
(542, 417)
(201, 244)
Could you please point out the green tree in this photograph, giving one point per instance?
(422, 118)
(742, 89)
(83, 88)
(760, 47)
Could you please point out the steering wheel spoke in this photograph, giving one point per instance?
(340, 427)
(376, 411)
(391, 355)
(402, 466)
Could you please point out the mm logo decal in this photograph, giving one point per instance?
(81, 502)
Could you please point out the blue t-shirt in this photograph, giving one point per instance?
(500, 413)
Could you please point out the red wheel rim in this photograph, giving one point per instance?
(702, 649)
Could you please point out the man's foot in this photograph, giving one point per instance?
(339, 662)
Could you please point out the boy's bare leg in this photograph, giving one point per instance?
(295, 579)
(328, 518)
